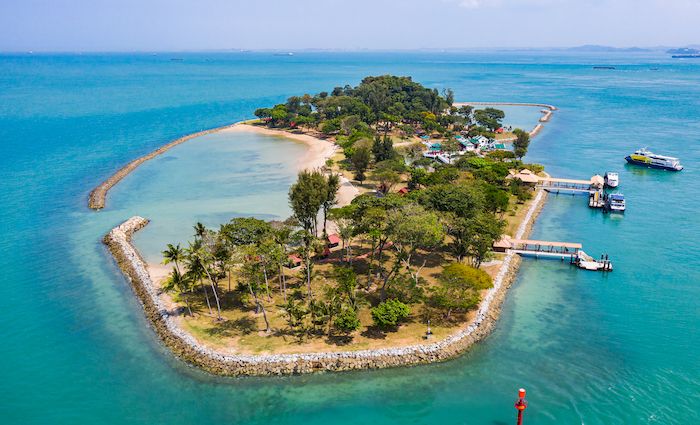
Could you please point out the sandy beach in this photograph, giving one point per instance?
(319, 151)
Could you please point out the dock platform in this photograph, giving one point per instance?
(556, 250)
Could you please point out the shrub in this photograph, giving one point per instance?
(347, 321)
(390, 313)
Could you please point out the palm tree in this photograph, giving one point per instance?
(282, 235)
(174, 254)
(200, 260)
(308, 244)
(251, 273)
(196, 274)
(199, 230)
(180, 283)
(330, 197)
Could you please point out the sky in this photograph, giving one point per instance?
(174, 25)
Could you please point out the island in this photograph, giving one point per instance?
(388, 257)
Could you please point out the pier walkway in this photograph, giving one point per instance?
(557, 250)
(552, 184)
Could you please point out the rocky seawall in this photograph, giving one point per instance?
(187, 348)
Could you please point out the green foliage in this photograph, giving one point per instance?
(347, 320)
(347, 286)
(387, 173)
(360, 161)
(501, 155)
(442, 175)
(412, 227)
(497, 199)
(296, 311)
(405, 289)
(486, 169)
(331, 126)
(461, 275)
(419, 177)
(390, 314)
(381, 102)
(521, 143)
(490, 118)
(458, 288)
(306, 197)
(383, 149)
(263, 113)
(521, 191)
(463, 200)
(535, 168)
(245, 231)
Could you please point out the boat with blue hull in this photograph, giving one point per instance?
(649, 159)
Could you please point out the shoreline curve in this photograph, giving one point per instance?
(186, 347)
(97, 197)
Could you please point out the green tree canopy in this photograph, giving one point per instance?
(390, 314)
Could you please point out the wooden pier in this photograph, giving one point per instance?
(552, 184)
(570, 251)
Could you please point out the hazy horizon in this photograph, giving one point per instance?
(379, 25)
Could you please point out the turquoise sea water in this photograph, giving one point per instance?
(593, 348)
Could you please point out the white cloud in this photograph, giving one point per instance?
(475, 4)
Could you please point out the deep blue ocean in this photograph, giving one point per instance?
(593, 348)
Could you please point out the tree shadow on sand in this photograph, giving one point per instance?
(339, 340)
(374, 332)
(241, 326)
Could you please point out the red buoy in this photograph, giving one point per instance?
(521, 405)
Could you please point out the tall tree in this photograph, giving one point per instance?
(360, 161)
(330, 197)
(307, 196)
(484, 229)
(521, 143)
(490, 118)
(413, 228)
(458, 288)
(180, 283)
(201, 259)
(251, 272)
(282, 235)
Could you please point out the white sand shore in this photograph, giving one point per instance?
(318, 153)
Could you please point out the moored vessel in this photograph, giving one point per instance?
(612, 179)
(647, 158)
(615, 202)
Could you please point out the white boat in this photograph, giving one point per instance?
(615, 202)
(611, 179)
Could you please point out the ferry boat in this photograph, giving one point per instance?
(648, 159)
(615, 202)
(611, 179)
